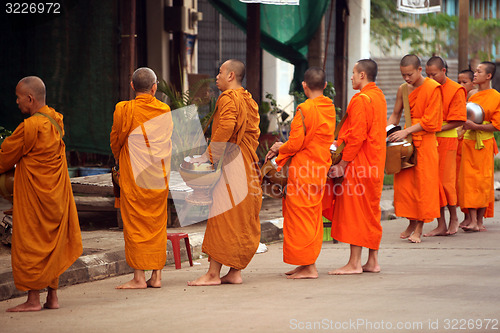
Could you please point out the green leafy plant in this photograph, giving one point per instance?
(4, 133)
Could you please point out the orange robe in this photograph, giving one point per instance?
(416, 189)
(356, 216)
(454, 99)
(136, 143)
(311, 159)
(233, 232)
(46, 237)
(475, 179)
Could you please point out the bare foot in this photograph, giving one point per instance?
(471, 227)
(407, 233)
(482, 228)
(347, 270)
(369, 268)
(206, 280)
(415, 238)
(51, 307)
(453, 228)
(232, 277)
(52, 301)
(305, 272)
(133, 284)
(295, 270)
(465, 222)
(439, 231)
(26, 307)
(153, 283)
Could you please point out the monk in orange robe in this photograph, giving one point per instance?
(475, 179)
(357, 213)
(46, 238)
(233, 232)
(308, 148)
(140, 142)
(454, 115)
(416, 189)
(465, 79)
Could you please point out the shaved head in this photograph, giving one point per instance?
(315, 78)
(489, 68)
(410, 60)
(369, 67)
(236, 66)
(469, 73)
(143, 79)
(438, 62)
(34, 86)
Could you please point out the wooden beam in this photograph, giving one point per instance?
(340, 62)
(463, 35)
(127, 47)
(254, 52)
(316, 52)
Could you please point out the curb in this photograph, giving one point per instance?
(98, 266)
(101, 265)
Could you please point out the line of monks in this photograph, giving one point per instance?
(43, 200)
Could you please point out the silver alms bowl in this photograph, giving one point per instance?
(475, 113)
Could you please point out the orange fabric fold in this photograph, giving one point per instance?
(232, 237)
(356, 216)
(302, 206)
(476, 173)
(416, 189)
(454, 100)
(46, 237)
(143, 203)
(447, 150)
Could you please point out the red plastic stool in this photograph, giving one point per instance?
(175, 238)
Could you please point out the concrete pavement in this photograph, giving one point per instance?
(443, 284)
(440, 284)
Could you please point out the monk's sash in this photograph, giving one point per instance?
(52, 121)
(451, 133)
(479, 136)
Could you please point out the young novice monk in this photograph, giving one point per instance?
(311, 135)
(356, 214)
(454, 115)
(416, 189)
(475, 179)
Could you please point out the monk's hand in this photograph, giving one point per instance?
(398, 136)
(470, 125)
(337, 170)
(274, 150)
(270, 154)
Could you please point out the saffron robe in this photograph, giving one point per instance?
(46, 237)
(233, 231)
(416, 189)
(356, 216)
(475, 179)
(454, 99)
(141, 132)
(311, 159)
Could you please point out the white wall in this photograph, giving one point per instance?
(359, 37)
(276, 78)
(157, 39)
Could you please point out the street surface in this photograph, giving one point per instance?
(444, 284)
